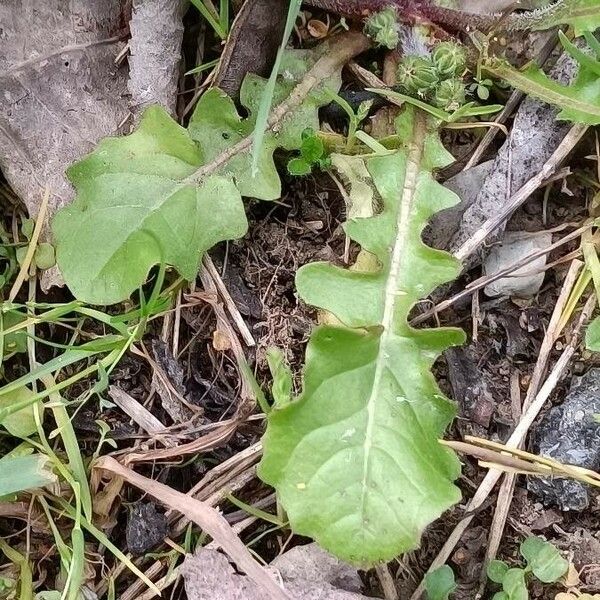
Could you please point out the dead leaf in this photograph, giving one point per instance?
(61, 91)
(317, 28)
(220, 341)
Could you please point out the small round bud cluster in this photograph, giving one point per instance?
(382, 27)
(449, 58)
(417, 76)
(450, 95)
(435, 78)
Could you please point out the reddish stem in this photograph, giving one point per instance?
(408, 11)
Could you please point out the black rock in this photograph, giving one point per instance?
(146, 527)
(570, 434)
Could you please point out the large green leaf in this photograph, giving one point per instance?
(167, 194)
(355, 458)
(137, 206)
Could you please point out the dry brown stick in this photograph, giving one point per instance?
(207, 442)
(207, 518)
(210, 286)
(225, 478)
(518, 435)
(369, 79)
(476, 240)
(23, 273)
(244, 458)
(506, 491)
(236, 483)
(138, 413)
(482, 281)
(232, 309)
(386, 580)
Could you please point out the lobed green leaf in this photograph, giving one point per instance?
(355, 458)
(165, 194)
(138, 206)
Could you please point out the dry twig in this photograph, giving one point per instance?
(206, 517)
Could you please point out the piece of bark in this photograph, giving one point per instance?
(307, 573)
(61, 93)
(61, 90)
(155, 52)
(252, 44)
(534, 137)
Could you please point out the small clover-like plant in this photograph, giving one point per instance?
(481, 87)
(312, 154)
(543, 561)
(440, 584)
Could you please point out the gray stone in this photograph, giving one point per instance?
(306, 572)
(526, 281)
(146, 527)
(466, 185)
(570, 434)
(535, 135)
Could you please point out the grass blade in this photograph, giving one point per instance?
(267, 97)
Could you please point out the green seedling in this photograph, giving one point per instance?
(481, 88)
(312, 154)
(440, 584)
(543, 561)
(218, 21)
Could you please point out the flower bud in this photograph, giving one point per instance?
(383, 28)
(450, 95)
(449, 58)
(417, 76)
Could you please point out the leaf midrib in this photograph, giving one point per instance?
(412, 169)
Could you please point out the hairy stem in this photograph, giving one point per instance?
(412, 10)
